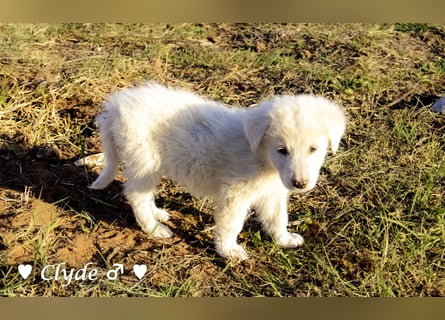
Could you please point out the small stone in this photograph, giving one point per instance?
(439, 105)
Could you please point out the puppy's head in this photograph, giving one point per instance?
(293, 134)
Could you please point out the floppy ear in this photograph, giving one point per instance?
(335, 125)
(335, 135)
(256, 122)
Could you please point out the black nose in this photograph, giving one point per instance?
(299, 184)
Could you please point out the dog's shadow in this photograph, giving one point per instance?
(63, 184)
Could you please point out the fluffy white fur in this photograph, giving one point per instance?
(243, 158)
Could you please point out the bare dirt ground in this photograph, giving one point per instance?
(53, 186)
(104, 233)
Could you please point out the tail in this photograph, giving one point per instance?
(105, 122)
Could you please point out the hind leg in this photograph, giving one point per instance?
(140, 194)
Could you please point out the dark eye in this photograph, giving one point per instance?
(283, 151)
(312, 149)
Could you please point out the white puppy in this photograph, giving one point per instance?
(243, 158)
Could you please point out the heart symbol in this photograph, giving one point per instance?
(139, 270)
(25, 270)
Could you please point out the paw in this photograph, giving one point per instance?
(92, 161)
(159, 231)
(234, 252)
(290, 240)
(161, 215)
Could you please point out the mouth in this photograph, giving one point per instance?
(299, 190)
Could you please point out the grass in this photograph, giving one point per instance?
(374, 225)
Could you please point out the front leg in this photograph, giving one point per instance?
(272, 212)
(229, 221)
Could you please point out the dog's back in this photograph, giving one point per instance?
(150, 125)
